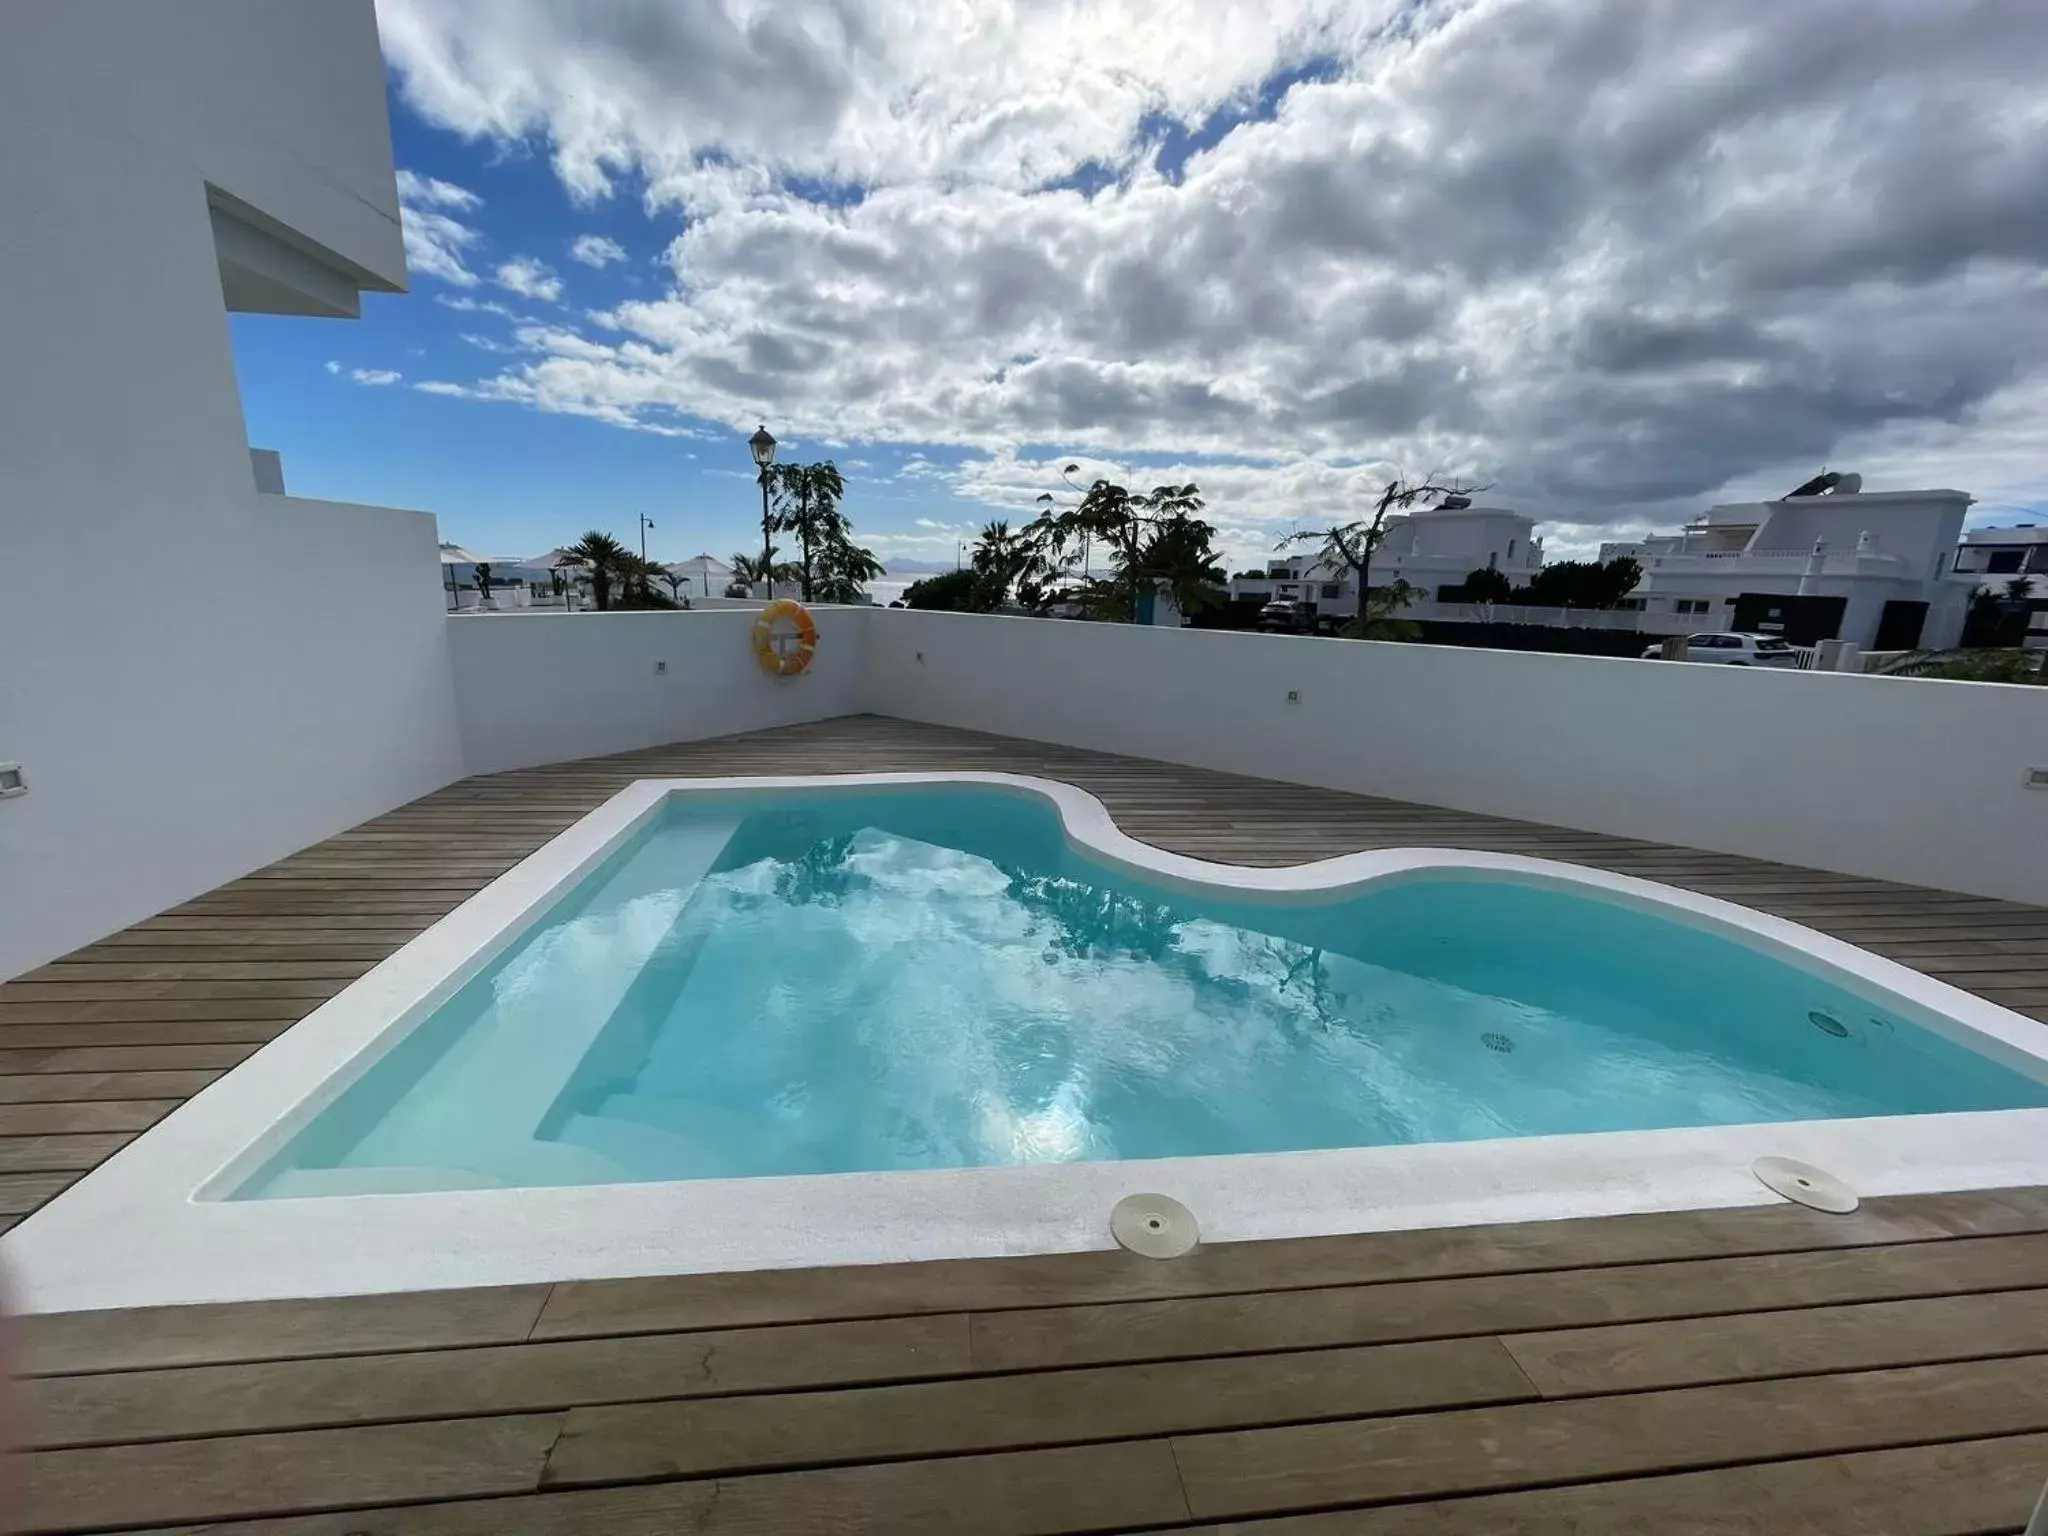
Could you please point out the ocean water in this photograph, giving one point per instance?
(933, 978)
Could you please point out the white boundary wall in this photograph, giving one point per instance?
(547, 687)
(212, 713)
(1902, 780)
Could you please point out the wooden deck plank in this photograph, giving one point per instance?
(121, 1058)
(89, 1115)
(76, 1087)
(21, 1193)
(1262, 1321)
(1583, 1439)
(1811, 1341)
(1033, 1493)
(146, 1033)
(115, 1407)
(130, 1012)
(142, 1338)
(243, 1475)
(1970, 1488)
(88, 971)
(643, 1441)
(678, 1303)
(60, 1154)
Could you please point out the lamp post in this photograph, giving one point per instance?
(762, 446)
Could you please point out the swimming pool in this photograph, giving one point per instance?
(934, 976)
(729, 1024)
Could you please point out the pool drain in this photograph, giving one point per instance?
(1827, 1024)
(1156, 1226)
(1805, 1184)
(1494, 1041)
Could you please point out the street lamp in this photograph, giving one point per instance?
(762, 446)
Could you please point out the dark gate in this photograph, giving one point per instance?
(1797, 620)
(1898, 627)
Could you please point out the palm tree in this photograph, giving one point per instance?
(807, 505)
(844, 568)
(634, 575)
(750, 571)
(1177, 553)
(601, 557)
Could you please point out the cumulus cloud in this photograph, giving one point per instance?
(375, 376)
(1615, 257)
(432, 192)
(333, 366)
(596, 250)
(529, 279)
(434, 238)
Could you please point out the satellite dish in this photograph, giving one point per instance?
(1848, 485)
(1455, 503)
(1819, 485)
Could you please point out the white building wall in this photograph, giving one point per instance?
(1896, 779)
(214, 717)
(547, 687)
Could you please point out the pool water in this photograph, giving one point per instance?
(933, 977)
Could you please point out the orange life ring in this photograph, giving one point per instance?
(784, 652)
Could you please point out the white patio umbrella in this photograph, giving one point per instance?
(704, 569)
(453, 555)
(558, 562)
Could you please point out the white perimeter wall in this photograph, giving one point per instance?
(544, 687)
(1912, 781)
(216, 714)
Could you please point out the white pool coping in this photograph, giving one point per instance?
(148, 1227)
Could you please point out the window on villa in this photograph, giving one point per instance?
(1331, 589)
(1630, 604)
(1690, 605)
(1511, 549)
(2004, 561)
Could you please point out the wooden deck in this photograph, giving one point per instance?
(1768, 1370)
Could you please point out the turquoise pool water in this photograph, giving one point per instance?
(933, 978)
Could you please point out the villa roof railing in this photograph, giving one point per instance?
(1848, 562)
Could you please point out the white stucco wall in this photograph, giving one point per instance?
(1913, 781)
(216, 716)
(546, 687)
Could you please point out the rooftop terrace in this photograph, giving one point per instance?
(1758, 1369)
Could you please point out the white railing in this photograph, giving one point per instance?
(1856, 660)
(1632, 620)
(1836, 561)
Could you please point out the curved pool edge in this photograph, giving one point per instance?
(184, 1244)
(2019, 1042)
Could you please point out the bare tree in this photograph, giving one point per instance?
(1351, 546)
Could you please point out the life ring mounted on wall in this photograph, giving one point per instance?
(785, 638)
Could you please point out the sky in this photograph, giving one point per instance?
(1613, 259)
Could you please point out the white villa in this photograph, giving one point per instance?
(1875, 568)
(1432, 549)
(1994, 556)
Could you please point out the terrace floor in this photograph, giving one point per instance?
(1765, 1370)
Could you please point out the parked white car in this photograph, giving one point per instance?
(1734, 650)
